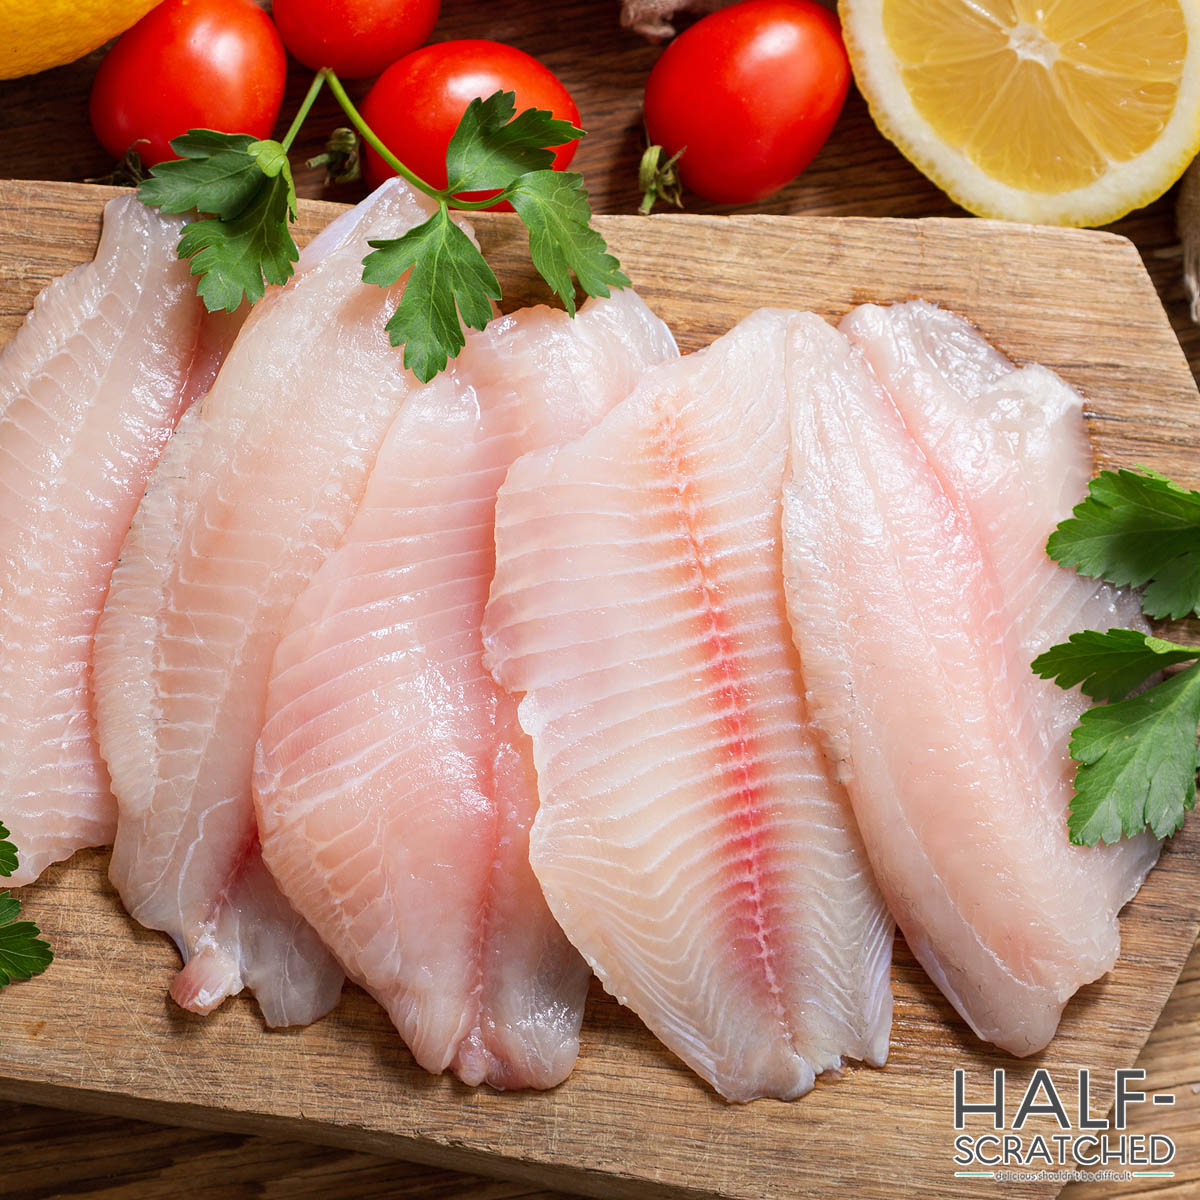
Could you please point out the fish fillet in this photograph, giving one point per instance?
(90, 388)
(1011, 449)
(395, 787)
(691, 840)
(901, 596)
(254, 490)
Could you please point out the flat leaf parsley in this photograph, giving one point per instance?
(449, 279)
(23, 952)
(1108, 666)
(554, 208)
(245, 186)
(1137, 528)
(1137, 754)
(243, 190)
(491, 148)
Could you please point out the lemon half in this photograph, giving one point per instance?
(1066, 112)
(37, 36)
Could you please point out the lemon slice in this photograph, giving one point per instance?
(35, 37)
(1066, 112)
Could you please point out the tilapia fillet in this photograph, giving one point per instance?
(1012, 451)
(910, 599)
(395, 787)
(255, 489)
(90, 388)
(691, 840)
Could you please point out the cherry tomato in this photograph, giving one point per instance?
(357, 38)
(752, 91)
(189, 64)
(416, 104)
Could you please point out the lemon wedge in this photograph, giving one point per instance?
(53, 32)
(1065, 112)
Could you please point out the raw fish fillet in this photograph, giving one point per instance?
(902, 581)
(1012, 450)
(254, 490)
(395, 787)
(90, 388)
(691, 840)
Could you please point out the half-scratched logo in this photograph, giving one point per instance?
(1087, 1146)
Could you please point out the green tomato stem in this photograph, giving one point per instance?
(314, 89)
(368, 136)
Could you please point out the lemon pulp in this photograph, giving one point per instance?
(1074, 110)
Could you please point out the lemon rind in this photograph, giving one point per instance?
(32, 48)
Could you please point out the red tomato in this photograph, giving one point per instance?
(357, 38)
(189, 64)
(752, 92)
(416, 104)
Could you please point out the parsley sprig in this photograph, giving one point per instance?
(23, 952)
(1137, 753)
(244, 191)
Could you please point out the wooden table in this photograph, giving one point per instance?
(44, 135)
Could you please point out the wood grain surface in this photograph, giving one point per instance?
(44, 135)
(97, 1032)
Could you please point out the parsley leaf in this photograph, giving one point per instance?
(214, 175)
(247, 188)
(1108, 666)
(490, 148)
(449, 278)
(1137, 762)
(1137, 528)
(23, 953)
(554, 208)
(8, 853)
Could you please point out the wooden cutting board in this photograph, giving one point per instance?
(97, 1032)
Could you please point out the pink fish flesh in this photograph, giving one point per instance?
(90, 388)
(691, 839)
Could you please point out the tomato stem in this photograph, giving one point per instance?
(368, 136)
(314, 89)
